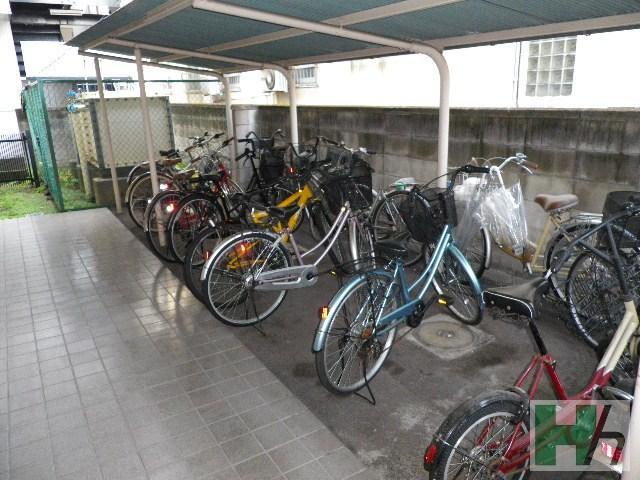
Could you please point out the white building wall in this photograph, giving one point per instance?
(607, 75)
(10, 76)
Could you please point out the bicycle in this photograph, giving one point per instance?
(488, 437)
(248, 275)
(139, 189)
(357, 329)
(487, 221)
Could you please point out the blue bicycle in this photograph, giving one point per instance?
(358, 327)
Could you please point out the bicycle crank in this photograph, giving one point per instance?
(416, 317)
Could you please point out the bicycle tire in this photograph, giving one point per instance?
(220, 273)
(190, 217)
(476, 251)
(338, 311)
(388, 224)
(139, 194)
(453, 280)
(594, 299)
(165, 203)
(459, 424)
(198, 252)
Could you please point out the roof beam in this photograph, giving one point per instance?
(398, 8)
(338, 57)
(116, 58)
(190, 53)
(150, 17)
(591, 25)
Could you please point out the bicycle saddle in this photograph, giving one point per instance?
(210, 177)
(391, 248)
(282, 214)
(168, 153)
(549, 203)
(515, 298)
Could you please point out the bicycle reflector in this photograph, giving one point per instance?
(292, 170)
(324, 312)
(430, 456)
(444, 300)
(170, 208)
(242, 248)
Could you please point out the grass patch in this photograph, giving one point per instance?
(21, 200)
(72, 194)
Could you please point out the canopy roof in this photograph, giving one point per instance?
(237, 35)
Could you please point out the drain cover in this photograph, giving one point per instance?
(447, 338)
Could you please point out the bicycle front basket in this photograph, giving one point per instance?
(626, 229)
(427, 211)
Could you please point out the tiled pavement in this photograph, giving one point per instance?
(109, 368)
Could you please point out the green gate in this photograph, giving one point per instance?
(35, 107)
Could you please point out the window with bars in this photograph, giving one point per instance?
(550, 66)
(234, 82)
(306, 76)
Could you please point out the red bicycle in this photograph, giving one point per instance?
(488, 437)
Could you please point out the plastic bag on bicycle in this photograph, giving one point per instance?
(500, 210)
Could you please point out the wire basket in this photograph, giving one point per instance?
(626, 229)
(427, 211)
(351, 183)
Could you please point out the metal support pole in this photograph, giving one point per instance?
(443, 118)
(293, 105)
(146, 123)
(107, 140)
(229, 116)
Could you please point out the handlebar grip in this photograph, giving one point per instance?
(474, 169)
(218, 135)
(241, 156)
(244, 140)
(531, 165)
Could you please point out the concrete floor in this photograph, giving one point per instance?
(417, 388)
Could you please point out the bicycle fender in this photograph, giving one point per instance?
(462, 260)
(323, 327)
(228, 241)
(448, 427)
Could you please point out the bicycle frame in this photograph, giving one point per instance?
(411, 295)
(302, 198)
(297, 276)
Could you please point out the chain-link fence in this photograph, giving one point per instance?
(69, 137)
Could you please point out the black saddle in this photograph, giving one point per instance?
(283, 213)
(515, 298)
(210, 177)
(168, 153)
(391, 248)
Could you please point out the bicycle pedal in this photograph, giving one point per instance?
(416, 317)
(445, 300)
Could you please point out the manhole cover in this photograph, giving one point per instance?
(445, 335)
(447, 338)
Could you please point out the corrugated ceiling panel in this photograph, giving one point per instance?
(313, 9)
(194, 29)
(123, 16)
(197, 62)
(553, 11)
(471, 16)
(303, 46)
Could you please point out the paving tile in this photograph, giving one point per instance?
(258, 468)
(241, 448)
(321, 442)
(207, 461)
(273, 435)
(290, 455)
(216, 411)
(341, 463)
(310, 471)
(228, 428)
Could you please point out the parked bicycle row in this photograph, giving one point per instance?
(241, 254)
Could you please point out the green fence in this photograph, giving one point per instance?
(35, 107)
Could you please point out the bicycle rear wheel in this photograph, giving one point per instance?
(352, 352)
(453, 281)
(229, 286)
(140, 193)
(389, 225)
(192, 214)
(157, 219)
(197, 254)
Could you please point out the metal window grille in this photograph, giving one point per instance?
(550, 67)
(306, 76)
(234, 82)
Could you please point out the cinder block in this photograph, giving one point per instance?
(103, 191)
(601, 136)
(552, 161)
(397, 144)
(423, 148)
(631, 140)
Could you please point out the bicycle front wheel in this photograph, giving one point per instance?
(389, 225)
(230, 283)
(352, 350)
(453, 281)
(157, 219)
(140, 193)
(198, 252)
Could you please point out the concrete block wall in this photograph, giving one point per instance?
(193, 120)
